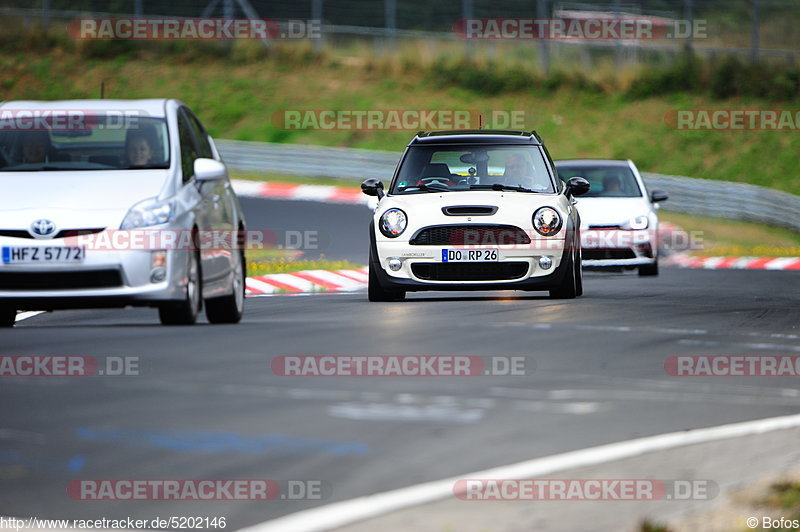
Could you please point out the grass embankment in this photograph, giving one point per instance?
(601, 113)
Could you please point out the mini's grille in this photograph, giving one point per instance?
(476, 235)
(469, 271)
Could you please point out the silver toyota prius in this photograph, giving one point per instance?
(113, 203)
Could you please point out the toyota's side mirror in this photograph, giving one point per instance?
(372, 187)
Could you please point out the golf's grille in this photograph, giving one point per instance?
(59, 280)
(475, 235)
(608, 254)
(470, 271)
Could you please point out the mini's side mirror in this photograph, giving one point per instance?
(372, 187)
(658, 195)
(209, 169)
(577, 186)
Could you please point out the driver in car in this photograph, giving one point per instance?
(139, 148)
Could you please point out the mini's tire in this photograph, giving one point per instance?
(8, 316)
(229, 308)
(376, 293)
(185, 312)
(568, 289)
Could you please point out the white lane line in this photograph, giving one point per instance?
(21, 316)
(343, 513)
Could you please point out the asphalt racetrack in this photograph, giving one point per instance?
(207, 405)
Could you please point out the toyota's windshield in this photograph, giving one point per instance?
(473, 167)
(95, 142)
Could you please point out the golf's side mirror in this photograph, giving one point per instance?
(577, 186)
(372, 187)
(658, 195)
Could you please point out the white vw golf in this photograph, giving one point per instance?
(620, 219)
(475, 210)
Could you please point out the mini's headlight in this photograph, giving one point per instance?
(547, 221)
(148, 212)
(638, 222)
(393, 223)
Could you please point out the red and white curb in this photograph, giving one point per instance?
(308, 281)
(293, 191)
(682, 260)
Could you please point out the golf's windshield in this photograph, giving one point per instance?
(605, 181)
(91, 142)
(473, 167)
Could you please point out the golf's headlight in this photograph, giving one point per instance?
(638, 222)
(393, 223)
(547, 221)
(148, 212)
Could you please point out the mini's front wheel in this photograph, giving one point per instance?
(376, 293)
(568, 289)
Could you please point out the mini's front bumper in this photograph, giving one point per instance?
(535, 276)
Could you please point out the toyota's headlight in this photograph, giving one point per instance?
(148, 212)
(547, 221)
(393, 223)
(637, 222)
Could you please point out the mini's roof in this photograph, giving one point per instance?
(152, 107)
(477, 136)
(585, 163)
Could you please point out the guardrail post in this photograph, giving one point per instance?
(754, 34)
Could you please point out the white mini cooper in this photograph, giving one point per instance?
(475, 210)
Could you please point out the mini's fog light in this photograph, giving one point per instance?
(545, 263)
(395, 264)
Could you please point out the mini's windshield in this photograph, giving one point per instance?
(96, 142)
(605, 181)
(473, 167)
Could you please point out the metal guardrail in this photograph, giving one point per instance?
(724, 199)
(706, 197)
